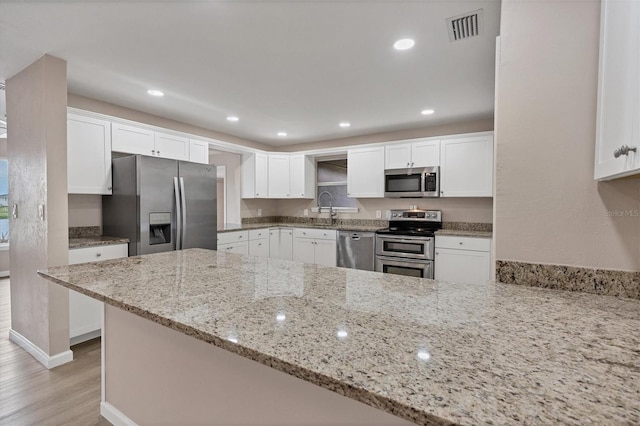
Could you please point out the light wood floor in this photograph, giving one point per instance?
(32, 395)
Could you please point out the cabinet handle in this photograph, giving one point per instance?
(153, 151)
(158, 152)
(437, 253)
(109, 188)
(98, 254)
(257, 194)
(407, 164)
(239, 236)
(460, 242)
(259, 244)
(624, 150)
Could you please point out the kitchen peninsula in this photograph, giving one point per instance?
(183, 329)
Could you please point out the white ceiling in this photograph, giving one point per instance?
(298, 66)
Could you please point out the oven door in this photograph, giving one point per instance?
(420, 248)
(406, 267)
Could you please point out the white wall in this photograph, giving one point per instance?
(232, 182)
(548, 207)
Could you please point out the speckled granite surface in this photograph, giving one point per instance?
(426, 351)
(468, 226)
(75, 243)
(89, 236)
(342, 225)
(589, 280)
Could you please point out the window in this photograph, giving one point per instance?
(332, 178)
(4, 201)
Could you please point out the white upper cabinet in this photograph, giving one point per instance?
(141, 140)
(365, 172)
(302, 176)
(618, 118)
(88, 155)
(171, 146)
(198, 151)
(423, 153)
(254, 176)
(131, 139)
(279, 180)
(466, 168)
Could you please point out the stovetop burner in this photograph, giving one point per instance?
(421, 223)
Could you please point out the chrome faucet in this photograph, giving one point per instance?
(332, 214)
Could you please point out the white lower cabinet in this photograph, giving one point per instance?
(281, 243)
(463, 259)
(234, 242)
(85, 313)
(314, 246)
(259, 240)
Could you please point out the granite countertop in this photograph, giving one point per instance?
(464, 233)
(101, 240)
(427, 351)
(340, 227)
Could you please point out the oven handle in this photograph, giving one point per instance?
(407, 240)
(399, 260)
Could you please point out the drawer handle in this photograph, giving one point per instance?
(259, 244)
(240, 236)
(460, 242)
(98, 254)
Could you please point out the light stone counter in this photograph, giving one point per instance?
(463, 233)
(83, 242)
(422, 350)
(337, 227)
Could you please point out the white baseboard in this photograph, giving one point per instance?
(40, 355)
(84, 337)
(114, 415)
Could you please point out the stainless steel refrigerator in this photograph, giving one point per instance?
(161, 204)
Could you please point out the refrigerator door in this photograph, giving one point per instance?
(157, 212)
(199, 212)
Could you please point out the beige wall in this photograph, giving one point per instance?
(37, 151)
(249, 208)
(85, 210)
(94, 105)
(4, 254)
(232, 183)
(453, 209)
(548, 207)
(439, 130)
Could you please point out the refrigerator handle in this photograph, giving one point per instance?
(183, 231)
(176, 192)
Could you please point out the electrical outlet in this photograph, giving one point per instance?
(378, 214)
(259, 212)
(306, 212)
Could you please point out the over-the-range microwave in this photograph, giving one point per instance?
(412, 183)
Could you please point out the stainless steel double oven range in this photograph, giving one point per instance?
(407, 247)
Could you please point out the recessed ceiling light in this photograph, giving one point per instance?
(282, 133)
(427, 112)
(404, 44)
(345, 124)
(154, 92)
(232, 118)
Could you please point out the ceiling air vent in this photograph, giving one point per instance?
(465, 26)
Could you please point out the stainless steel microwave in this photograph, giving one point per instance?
(412, 183)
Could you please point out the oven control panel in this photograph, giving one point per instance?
(416, 215)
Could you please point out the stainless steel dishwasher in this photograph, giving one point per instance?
(356, 250)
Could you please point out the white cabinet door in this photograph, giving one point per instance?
(425, 153)
(325, 252)
(198, 152)
(88, 155)
(302, 177)
(237, 248)
(171, 146)
(467, 167)
(304, 250)
(279, 176)
(365, 172)
(397, 156)
(254, 169)
(618, 118)
(259, 248)
(133, 140)
(462, 266)
(85, 313)
(274, 243)
(286, 244)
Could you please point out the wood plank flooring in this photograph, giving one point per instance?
(32, 395)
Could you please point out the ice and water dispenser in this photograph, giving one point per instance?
(159, 228)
